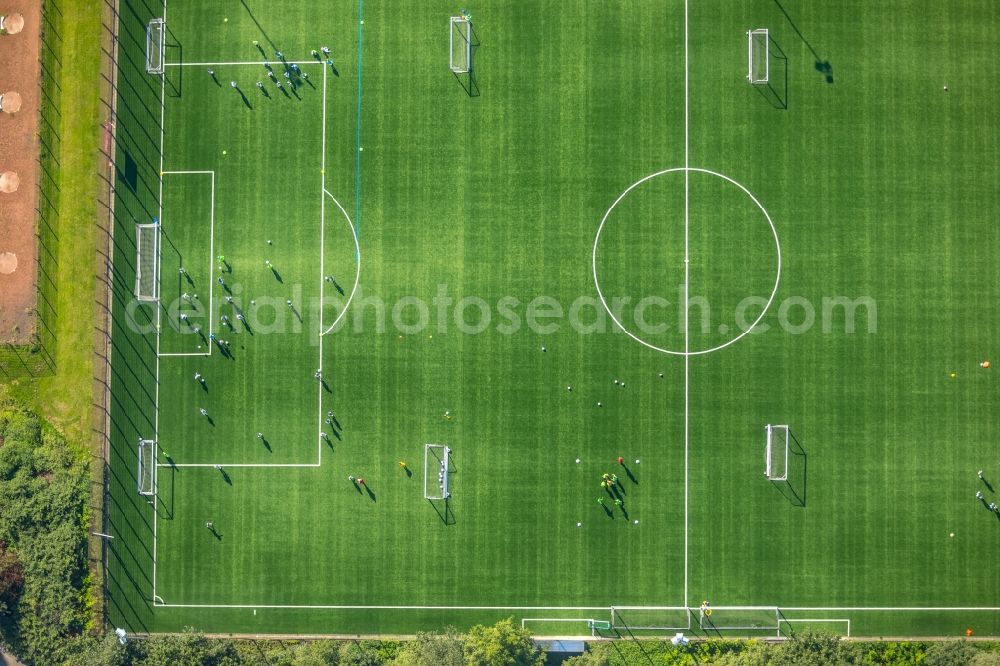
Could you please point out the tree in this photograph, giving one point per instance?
(367, 653)
(950, 653)
(103, 651)
(811, 648)
(589, 658)
(984, 658)
(752, 653)
(317, 653)
(11, 579)
(502, 644)
(188, 649)
(432, 649)
(43, 497)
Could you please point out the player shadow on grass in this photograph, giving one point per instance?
(823, 66)
(794, 487)
(243, 96)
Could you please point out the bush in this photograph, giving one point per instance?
(43, 569)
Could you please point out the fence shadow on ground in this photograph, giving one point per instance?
(823, 66)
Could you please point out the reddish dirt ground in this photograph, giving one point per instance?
(19, 72)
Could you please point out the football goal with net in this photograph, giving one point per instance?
(758, 68)
(460, 44)
(147, 261)
(155, 39)
(754, 619)
(146, 475)
(776, 453)
(437, 467)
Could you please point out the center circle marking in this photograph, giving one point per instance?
(664, 350)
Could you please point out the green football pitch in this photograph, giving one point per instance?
(601, 242)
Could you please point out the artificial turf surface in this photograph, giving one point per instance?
(879, 186)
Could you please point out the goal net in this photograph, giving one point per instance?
(776, 453)
(147, 262)
(740, 618)
(460, 44)
(436, 470)
(146, 476)
(651, 618)
(758, 68)
(155, 36)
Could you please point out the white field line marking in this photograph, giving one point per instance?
(357, 273)
(259, 63)
(211, 268)
(159, 208)
(611, 311)
(322, 276)
(687, 328)
(315, 464)
(334, 607)
(211, 231)
(585, 608)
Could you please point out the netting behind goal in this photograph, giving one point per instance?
(758, 68)
(155, 38)
(651, 618)
(751, 619)
(776, 453)
(146, 475)
(436, 471)
(460, 44)
(147, 262)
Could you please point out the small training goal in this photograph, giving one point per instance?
(758, 68)
(147, 262)
(437, 467)
(146, 474)
(155, 39)
(776, 453)
(460, 44)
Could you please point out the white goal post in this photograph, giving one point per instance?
(146, 474)
(776, 453)
(436, 470)
(147, 262)
(758, 67)
(155, 39)
(460, 44)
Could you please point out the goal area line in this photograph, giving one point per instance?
(239, 63)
